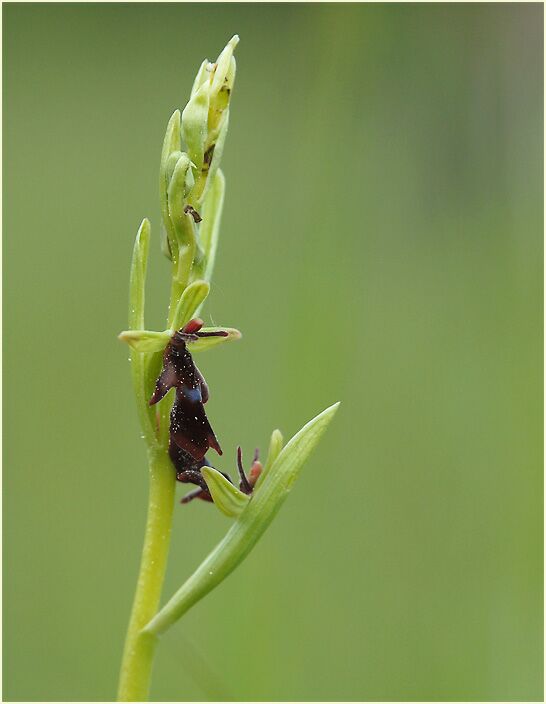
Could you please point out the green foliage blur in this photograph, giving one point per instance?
(381, 245)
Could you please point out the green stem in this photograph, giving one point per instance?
(138, 655)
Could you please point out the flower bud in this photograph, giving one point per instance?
(171, 144)
(205, 118)
(194, 124)
(193, 297)
(203, 75)
(225, 68)
(180, 183)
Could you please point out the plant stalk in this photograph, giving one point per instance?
(138, 654)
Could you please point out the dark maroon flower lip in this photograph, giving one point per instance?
(190, 433)
(190, 429)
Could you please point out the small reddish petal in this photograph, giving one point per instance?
(193, 326)
(255, 472)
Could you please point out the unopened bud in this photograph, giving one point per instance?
(181, 181)
(203, 75)
(195, 124)
(223, 65)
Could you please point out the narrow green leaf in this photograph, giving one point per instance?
(227, 498)
(189, 302)
(249, 526)
(206, 343)
(137, 279)
(146, 341)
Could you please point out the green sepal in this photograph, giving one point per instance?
(227, 498)
(146, 341)
(137, 280)
(136, 321)
(193, 297)
(206, 343)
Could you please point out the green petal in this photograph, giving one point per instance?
(205, 343)
(227, 498)
(189, 302)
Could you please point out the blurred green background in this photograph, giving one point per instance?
(382, 245)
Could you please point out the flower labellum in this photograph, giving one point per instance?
(191, 434)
